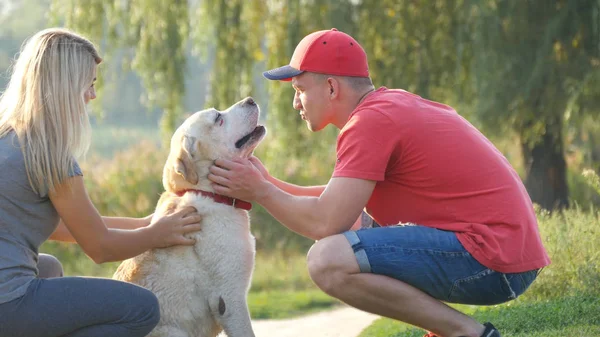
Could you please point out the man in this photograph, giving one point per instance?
(469, 232)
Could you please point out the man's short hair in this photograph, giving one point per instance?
(356, 83)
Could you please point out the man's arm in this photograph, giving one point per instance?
(333, 212)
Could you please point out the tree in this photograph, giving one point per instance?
(526, 64)
(308, 157)
(236, 27)
(154, 34)
(420, 46)
(238, 33)
(157, 36)
(15, 30)
(244, 33)
(532, 58)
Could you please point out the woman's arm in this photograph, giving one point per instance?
(296, 190)
(102, 243)
(300, 191)
(62, 233)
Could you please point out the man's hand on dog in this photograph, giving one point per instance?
(240, 178)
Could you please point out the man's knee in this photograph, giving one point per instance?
(330, 261)
(314, 261)
(49, 266)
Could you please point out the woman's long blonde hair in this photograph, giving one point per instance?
(44, 104)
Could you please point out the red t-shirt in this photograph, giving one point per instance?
(433, 168)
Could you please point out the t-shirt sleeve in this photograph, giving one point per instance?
(75, 170)
(365, 146)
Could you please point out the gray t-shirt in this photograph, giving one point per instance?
(26, 221)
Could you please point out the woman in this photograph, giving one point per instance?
(44, 127)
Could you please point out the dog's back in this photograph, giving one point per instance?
(201, 289)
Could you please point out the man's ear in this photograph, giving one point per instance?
(184, 165)
(334, 87)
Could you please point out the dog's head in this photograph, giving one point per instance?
(206, 136)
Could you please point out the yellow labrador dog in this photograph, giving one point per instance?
(202, 289)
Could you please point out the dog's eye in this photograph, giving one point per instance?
(219, 119)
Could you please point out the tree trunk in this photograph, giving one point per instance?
(546, 179)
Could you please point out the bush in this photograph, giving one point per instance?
(592, 179)
(571, 239)
(127, 185)
(582, 191)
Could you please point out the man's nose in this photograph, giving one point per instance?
(297, 104)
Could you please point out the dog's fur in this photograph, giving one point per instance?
(202, 289)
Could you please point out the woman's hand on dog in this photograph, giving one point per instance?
(240, 178)
(169, 230)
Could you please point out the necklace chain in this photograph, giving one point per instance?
(364, 95)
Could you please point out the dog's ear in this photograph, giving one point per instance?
(184, 165)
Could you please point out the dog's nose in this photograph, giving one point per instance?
(250, 101)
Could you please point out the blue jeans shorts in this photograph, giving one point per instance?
(435, 262)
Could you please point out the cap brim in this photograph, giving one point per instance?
(284, 73)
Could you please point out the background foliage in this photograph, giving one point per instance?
(523, 68)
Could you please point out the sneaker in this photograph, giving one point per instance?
(490, 331)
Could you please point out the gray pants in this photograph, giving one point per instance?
(49, 266)
(56, 306)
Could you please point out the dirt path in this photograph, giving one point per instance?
(340, 322)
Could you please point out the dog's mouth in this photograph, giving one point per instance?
(251, 138)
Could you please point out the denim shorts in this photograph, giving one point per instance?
(435, 262)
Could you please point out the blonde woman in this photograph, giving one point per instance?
(44, 127)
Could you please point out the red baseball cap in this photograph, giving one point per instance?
(326, 52)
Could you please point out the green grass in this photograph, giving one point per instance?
(562, 317)
(282, 288)
(571, 238)
(280, 271)
(286, 304)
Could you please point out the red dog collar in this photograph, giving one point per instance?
(237, 203)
